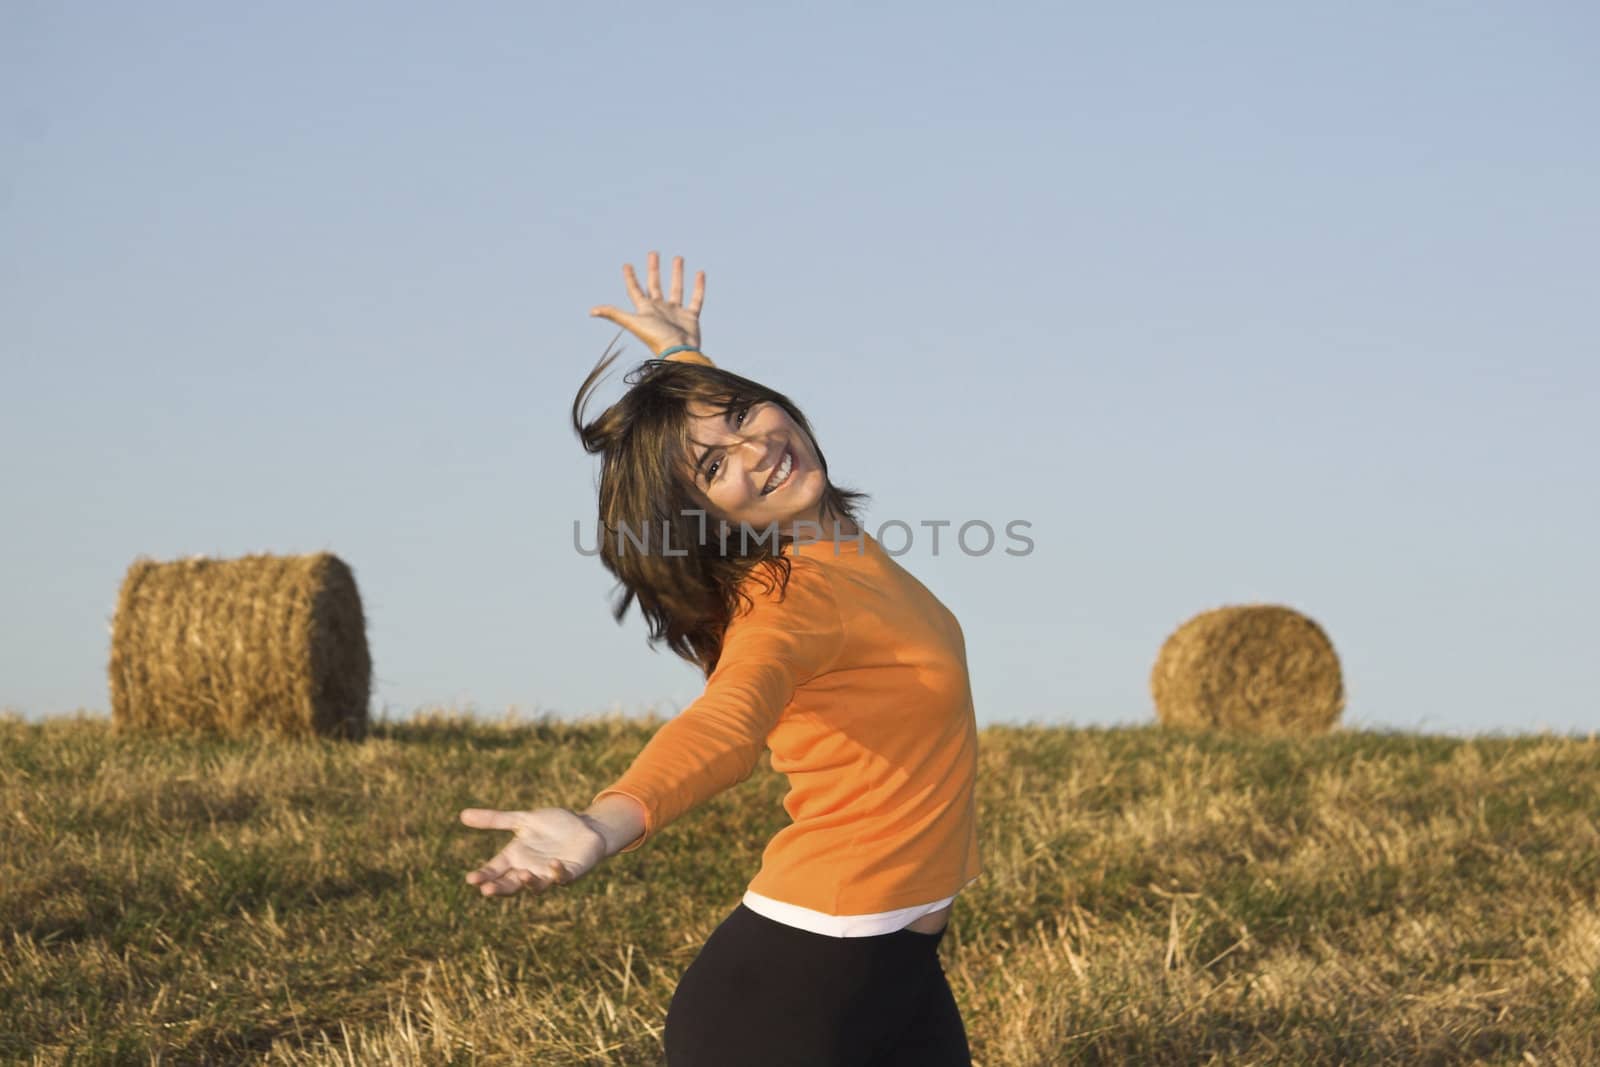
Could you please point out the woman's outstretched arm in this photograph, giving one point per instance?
(662, 322)
(789, 636)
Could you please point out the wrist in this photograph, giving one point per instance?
(685, 354)
(618, 819)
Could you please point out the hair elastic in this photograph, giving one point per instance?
(678, 348)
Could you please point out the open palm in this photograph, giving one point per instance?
(552, 846)
(662, 322)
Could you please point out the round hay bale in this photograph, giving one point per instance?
(1255, 668)
(263, 643)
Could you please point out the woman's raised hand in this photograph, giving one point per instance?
(552, 846)
(660, 322)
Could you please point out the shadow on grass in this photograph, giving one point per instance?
(158, 915)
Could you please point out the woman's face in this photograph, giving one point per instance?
(755, 465)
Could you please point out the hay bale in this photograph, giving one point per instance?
(1256, 668)
(262, 643)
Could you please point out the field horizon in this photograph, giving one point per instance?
(1149, 896)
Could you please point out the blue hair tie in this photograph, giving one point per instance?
(678, 348)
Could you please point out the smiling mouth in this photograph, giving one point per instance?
(780, 474)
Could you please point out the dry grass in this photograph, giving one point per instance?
(1150, 898)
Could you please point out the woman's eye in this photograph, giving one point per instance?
(738, 420)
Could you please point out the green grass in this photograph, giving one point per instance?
(1149, 897)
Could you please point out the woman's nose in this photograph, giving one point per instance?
(756, 446)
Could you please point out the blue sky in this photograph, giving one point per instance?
(1235, 302)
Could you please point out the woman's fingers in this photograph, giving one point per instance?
(642, 300)
(515, 879)
(653, 274)
(486, 873)
(699, 297)
(499, 877)
(510, 882)
(632, 282)
(489, 819)
(489, 872)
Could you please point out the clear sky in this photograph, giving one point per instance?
(1230, 302)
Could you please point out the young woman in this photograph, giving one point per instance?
(717, 515)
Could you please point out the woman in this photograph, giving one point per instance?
(718, 516)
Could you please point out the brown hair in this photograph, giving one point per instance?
(690, 592)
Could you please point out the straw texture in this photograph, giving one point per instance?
(1256, 668)
(261, 643)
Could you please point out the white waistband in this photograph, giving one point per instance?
(819, 922)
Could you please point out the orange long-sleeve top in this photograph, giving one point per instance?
(855, 679)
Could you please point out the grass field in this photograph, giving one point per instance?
(1149, 898)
